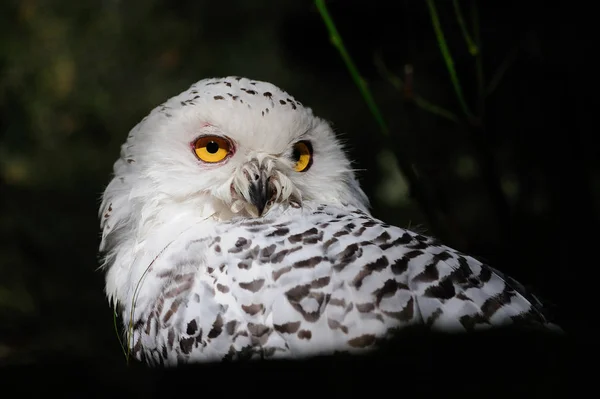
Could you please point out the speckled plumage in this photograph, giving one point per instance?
(199, 275)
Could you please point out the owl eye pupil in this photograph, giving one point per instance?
(212, 147)
(296, 155)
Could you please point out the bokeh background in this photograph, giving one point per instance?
(515, 184)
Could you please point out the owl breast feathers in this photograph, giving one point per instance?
(234, 227)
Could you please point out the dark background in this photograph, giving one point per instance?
(517, 186)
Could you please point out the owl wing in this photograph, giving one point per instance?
(307, 282)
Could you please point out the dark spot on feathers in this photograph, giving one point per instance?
(282, 102)
(329, 243)
(430, 273)
(266, 252)
(365, 307)
(337, 302)
(253, 309)
(404, 240)
(245, 264)
(223, 288)
(287, 328)
(149, 323)
(400, 265)
(320, 282)
(382, 238)
(470, 321)
(192, 327)
(258, 330)
(279, 256)
(443, 290)
(341, 233)
(279, 232)
(304, 334)
(363, 341)
(313, 239)
(359, 232)
(413, 254)
(442, 256)
(462, 296)
(297, 293)
(350, 254)
(461, 274)
(406, 314)
(186, 344)
(486, 274)
(491, 305)
(298, 237)
(334, 325)
(217, 327)
(368, 269)
(280, 272)
(309, 263)
(389, 289)
(253, 286)
(170, 338)
(267, 94)
(295, 296)
(172, 310)
(180, 289)
(434, 316)
(230, 327)
(241, 244)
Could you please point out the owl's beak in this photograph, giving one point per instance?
(260, 193)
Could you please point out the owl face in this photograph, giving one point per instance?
(239, 147)
(258, 178)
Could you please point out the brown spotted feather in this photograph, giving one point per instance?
(313, 282)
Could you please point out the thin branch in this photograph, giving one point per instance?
(397, 83)
(473, 48)
(336, 40)
(448, 59)
(478, 60)
(499, 74)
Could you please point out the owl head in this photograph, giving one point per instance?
(223, 148)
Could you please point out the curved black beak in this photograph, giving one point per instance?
(260, 193)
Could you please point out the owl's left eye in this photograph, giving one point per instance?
(302, 156)
(212, 149)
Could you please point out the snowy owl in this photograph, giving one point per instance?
(234, 227)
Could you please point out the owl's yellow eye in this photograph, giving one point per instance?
(212, 149)
(302, 155)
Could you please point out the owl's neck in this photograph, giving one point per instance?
(143, 234)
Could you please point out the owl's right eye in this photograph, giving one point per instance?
(212, 149)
